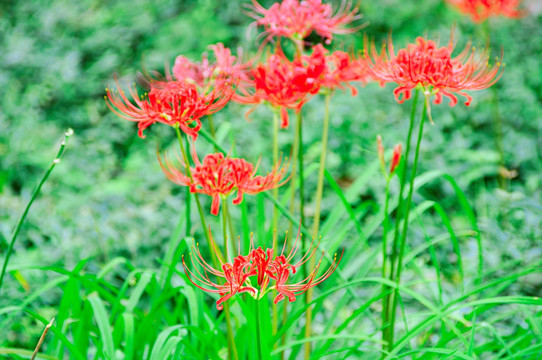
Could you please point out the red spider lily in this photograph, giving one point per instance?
(225, 67)
(265, 266)
(283, 83)
(424, 65)
(342, 69)
(296, 19)
(173, 103)
(218, 176)
(235, 276)
(481, 10)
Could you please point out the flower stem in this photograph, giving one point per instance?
(274, 324)
(189, 173)
(405, 224)
(275, 160)
(300, 150)
(35, 194)
(295, 155)
(386, 326)
(212, 127)
(188, 209)
(385, 289)
(258, 330)
(497, 123)
(232, 349)
(316, 223)
(225, 228)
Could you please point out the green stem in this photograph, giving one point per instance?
(400, 209)
(497, 119)
(232, 349)
(386, 229)
(233, 237)
(188, 209)
(35, 194)
(385, 289)
(405, 223)
(275, 160)
(316, 223)
(395, 243)
(295, 154)
(274, 224)
(225, 228)
(300, 156)
(258, 330)
(212, 127)
(196, 196)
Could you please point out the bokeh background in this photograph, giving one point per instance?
(109, 198)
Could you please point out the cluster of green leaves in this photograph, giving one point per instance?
(109, 204)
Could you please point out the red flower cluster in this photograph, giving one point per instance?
(199, 90)
(283, 83)
(481, 10)
(289, 84)
(225, 68)
(296, 19)
(342, 69)
(218, 176)
(172, 103)
(433, 69)
(255, 272)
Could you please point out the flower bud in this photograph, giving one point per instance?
(396, 157)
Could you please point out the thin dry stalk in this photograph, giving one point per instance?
(45, 331)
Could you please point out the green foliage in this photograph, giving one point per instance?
(102, 246)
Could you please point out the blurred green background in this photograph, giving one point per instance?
(109, 198)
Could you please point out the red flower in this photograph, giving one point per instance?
(296, 19)
(225, 67)
(235, 276)
(434, 70)
(480, 10)
(342, 69)
(283, 83)
(173, 103)
(218, 176)
(266, 266)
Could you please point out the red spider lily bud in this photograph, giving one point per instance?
(433, 68)
(219, 176)
(272, 270)
(396, 158)
(481, 10)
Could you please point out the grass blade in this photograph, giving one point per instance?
(106, 335)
